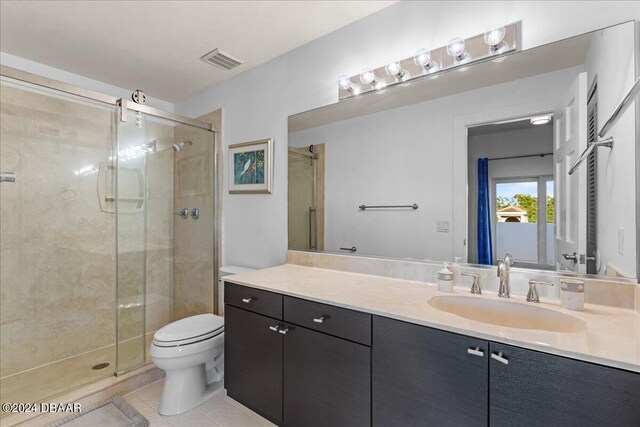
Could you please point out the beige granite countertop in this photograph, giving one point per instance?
(612, 337)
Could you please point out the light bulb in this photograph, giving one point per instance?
(368, 77)
(422, 58)
(456, 49)
(394, 69)
(494, 35)
(540, 120)
(345, 83)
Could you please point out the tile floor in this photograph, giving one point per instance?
(220, 411)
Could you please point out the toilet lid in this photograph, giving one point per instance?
(190, 327)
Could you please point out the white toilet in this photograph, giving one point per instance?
(191, 352)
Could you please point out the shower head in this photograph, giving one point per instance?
(179, 146)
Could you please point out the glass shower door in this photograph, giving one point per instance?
(57, 263)
(165, 229)
(130, 204)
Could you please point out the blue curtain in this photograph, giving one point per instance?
(485, 251)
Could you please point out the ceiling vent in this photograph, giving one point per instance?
(221, 59)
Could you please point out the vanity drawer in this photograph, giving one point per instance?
(256, 300)
(340, 322)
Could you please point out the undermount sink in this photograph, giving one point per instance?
(507, 313)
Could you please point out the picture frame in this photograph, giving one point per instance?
(251, 167)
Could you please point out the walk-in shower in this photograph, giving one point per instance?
(93, 258)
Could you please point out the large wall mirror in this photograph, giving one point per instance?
(474, 164)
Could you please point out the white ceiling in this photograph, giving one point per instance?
(157, 45)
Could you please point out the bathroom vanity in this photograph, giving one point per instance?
(307, 346)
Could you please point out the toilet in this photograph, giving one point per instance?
(191, 352)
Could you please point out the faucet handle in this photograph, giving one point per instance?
(508, 259)
(532, 295)
(475, 287)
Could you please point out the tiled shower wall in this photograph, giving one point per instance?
(193, 244)
(57, 279)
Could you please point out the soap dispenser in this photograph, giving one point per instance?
(445, 279)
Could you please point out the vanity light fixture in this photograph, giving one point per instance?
(495, 44)
(423, 59)
(345, 83)
(457, 50)
(369, 77)
(540, 120)
(494, 37)
(395, 69)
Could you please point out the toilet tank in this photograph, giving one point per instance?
(227, 270)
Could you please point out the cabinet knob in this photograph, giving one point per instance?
(475, 351)
(500, 358)
(284, 331)
(247, 300)
(274, 328)
(319, 319)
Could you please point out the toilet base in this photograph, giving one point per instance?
(185, 389)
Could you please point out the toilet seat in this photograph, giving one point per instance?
(190, 330)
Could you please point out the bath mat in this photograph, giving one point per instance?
(114, 412)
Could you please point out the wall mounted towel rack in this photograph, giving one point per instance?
(365, 207)
(615, 116)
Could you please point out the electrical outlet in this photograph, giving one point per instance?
(443, 226)
(621, 241)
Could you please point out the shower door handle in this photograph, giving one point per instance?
(7, 177)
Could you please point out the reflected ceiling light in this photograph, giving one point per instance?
(368, 77)
(457, 50)
(541, 120)
(423, 59)
(394, 69)
(86, 170)
(494, 36)
(345, 83)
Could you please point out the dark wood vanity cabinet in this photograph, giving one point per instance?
(305, 364)
(327, 380)
(426, 377)
(253, 362)
(291, 374)
(537, 389)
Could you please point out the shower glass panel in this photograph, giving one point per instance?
(165, 212)
(57, 245)
(129, 202)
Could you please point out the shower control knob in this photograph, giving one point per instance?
(183, 213)
(7, 177)
(195, 213)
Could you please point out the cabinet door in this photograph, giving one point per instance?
(327, 380)
(253, 362)
(427, 377)
(537, 389)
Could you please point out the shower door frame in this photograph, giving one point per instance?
(125, 105)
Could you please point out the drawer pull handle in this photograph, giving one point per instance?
(499, 358)
(284, 331)
(274, 328)
(319, 319)
(475, 351)
(247, 300)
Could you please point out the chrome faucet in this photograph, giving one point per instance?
(504, 266)
(532, 295)
(504, 290)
